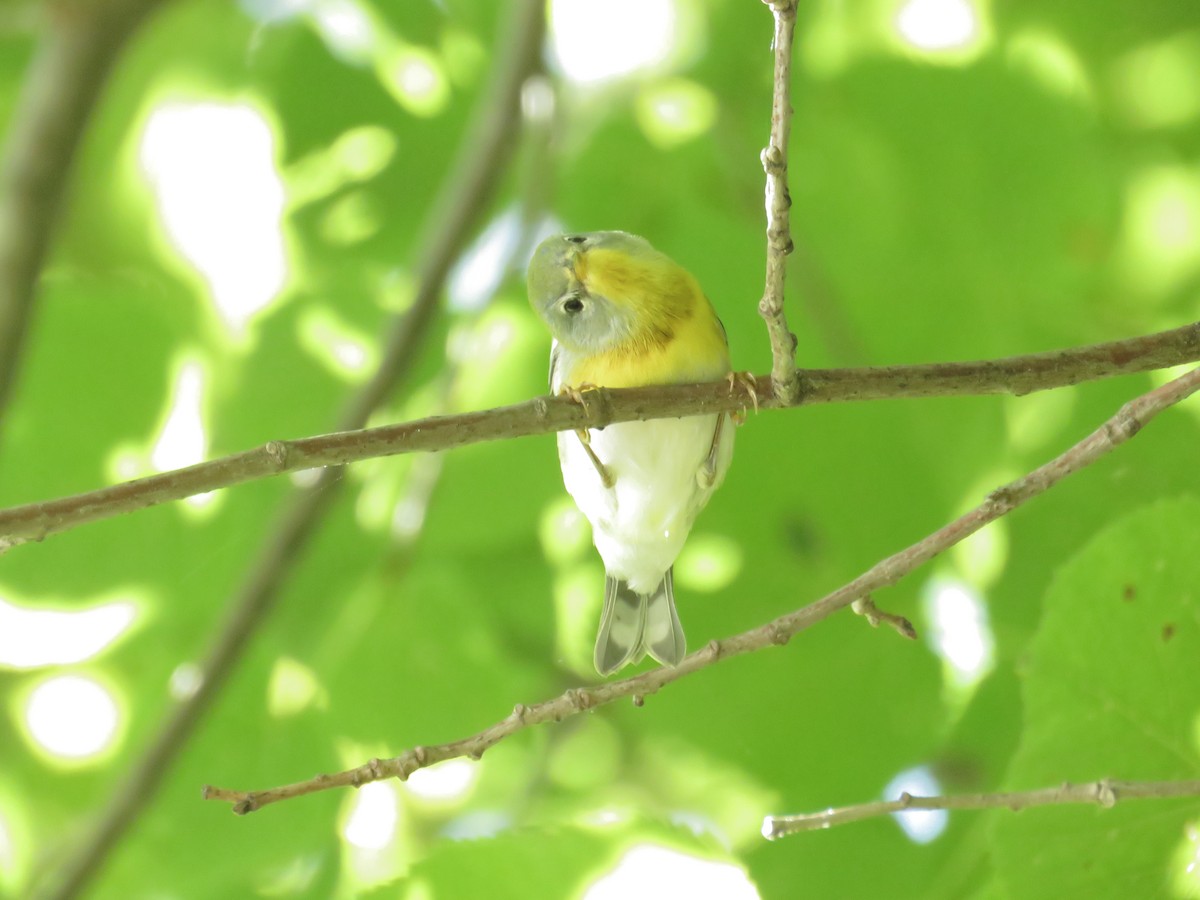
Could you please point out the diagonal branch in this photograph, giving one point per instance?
(778, 202)
(1127, 422)
(1015, 375)
(470, 183)
(77, 51)
(1104, 793)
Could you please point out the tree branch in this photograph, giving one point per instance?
(778, 202)
(1129, 419)
(76, 53)
(466, 192)
(1104, 793)
(1016, 375)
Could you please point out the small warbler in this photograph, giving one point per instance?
(622, 315)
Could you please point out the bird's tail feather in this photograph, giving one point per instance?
(634, 624)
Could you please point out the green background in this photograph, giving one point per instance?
(1039, 189)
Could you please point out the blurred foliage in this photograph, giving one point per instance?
(1035, 186)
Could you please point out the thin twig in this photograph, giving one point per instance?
(1104, 793)
(778, 202)
(76, 52)
(1128, 420)
(469, 185)
(865, 607)
(1016, 375)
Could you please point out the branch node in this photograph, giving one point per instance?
(713, 649)
(1106, 794)
(779, 635)
(865, 607)
(245, 806)
(277, 452)
(581, 699)
(638, 700)
(518, 713)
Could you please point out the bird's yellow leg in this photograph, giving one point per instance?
(585, 436)
(745, 380)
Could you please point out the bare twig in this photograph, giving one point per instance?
(1128, 420)
(778, 202)
(865, 607)
(1104, 793)
(469, 185)
(76, 52)
(1015, 375)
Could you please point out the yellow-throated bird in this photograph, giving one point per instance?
(622, 315)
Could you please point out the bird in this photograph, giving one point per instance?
(623, 314)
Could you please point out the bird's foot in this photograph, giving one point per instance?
(745, 381)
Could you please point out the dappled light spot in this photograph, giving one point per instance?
(9, 874)
(347, 27)
(203, 159)
(708, 562)
(922, 826)
(1157, 85)
(185, 680)
(479, 271)
(1052, 64)
(563, 531)
(374, 815)
(1184, 868)
(950, 31)
(33, 636)
(71, 717)
(478, 823)
(675, 111)
(415, 78)
(1160, 242)
(351, 219)
(1033, 421)
(451, 780)
(578, 596)
(599, 41)
(982, 557)
(340, 348)
(960, 633)
(647, 870)
(357, 155)
(293, 687)
(181, 440)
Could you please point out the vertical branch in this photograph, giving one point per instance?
(469, 184)
(74, 57)
(778, 202)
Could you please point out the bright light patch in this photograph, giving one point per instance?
(212, 169)
(293, 687)
(479, 271)
(1158, 85)
(342, 349)
(1161, 239)
(31, 637)
(181, 441)
(709, 562)
(71, 717)
(10, 870)
(598, 41)
(185, 681)
(449, 780)
(1184, 868)
(1052, 63)
(959, 630)
(934, 25)
(372, 822)
(415, 78)
(578, 595)
(1036, 419)
(351, 219)
(563, 531)
(346, 28)
(675, 111)
(647, 871)
(920, 825)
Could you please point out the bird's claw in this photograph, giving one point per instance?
(744, 380)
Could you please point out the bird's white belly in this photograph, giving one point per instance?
(639, 525)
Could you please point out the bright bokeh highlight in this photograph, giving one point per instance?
(220, 198)
(1184, 868)
(71, 717)
(31, 637)
(920, 825)
(708, 562)
(938, 24)
(478, 273)
(339, 347)
(182, 441)
(1051, 62)
(373, 817)
(449, 780)
(675, 111)
(292, 688)
(1161, 234)
(959, 631)
(1157, 85)
(595, 42)
(649, 872)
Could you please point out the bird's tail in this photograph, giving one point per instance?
(634, 624)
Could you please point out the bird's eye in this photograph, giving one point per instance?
(572, 305)
(577, 238)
